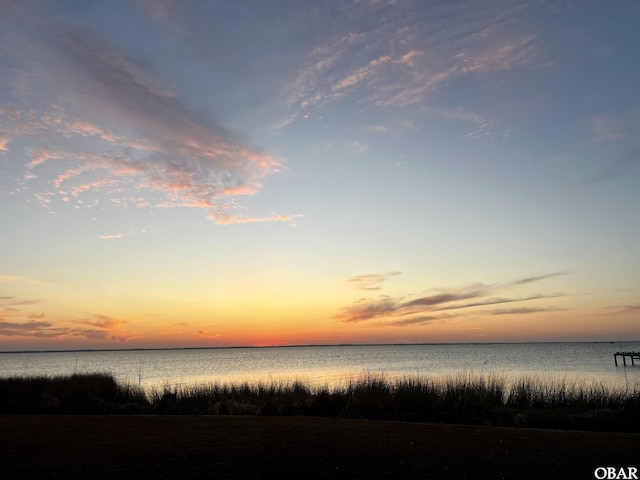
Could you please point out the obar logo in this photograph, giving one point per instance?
(609, 473)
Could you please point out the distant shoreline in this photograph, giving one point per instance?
(142, 349)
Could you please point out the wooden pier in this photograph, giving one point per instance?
(631, 355)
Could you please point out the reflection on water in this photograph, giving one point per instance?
(337, 365)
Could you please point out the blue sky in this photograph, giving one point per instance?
(224, 173)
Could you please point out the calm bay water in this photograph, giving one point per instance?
(335, 365)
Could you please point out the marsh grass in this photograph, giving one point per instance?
(76, 393)
(465, 398)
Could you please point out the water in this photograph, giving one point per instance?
(335, 365)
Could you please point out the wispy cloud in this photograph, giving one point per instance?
(10, 301)
(602, 128)
(28, 329)
(357, 148)
(102, 321)
(618, 309)
(537, 278)
(208, 335)
(362, 74)
(111, 236)
(222, 218)
(280, 124)
(524, 310)
(446, 297)
(622, 165)
(443, 305)
(406, 55)
(95, 327)
(158, 9)
(371, 281)
(107, 125)
(8, 278)
(499, 300)
(418, 320)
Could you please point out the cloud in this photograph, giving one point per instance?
(419, 320)
(496, 301)
(603, 128)
(28, 329)
(111, 236)
(107, 125)
(377, 128)
(208, 335)
(400, 54)
(523, 311)
(222, 218)
(279, 125)
(101, 327)
(96, 327)
(400, 311)
(623, 165)
(357, 148)
(537, 278)
(622, 309)
(632, 308)
(362, 73)
(166, 12)
(371, 281)
(102, 321)
(158, 9)
(369, 309)
(442, 298)
(13, 302)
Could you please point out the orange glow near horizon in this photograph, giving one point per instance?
(106, 333)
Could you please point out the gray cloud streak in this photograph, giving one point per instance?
(96, 327)
(537, 278)
(427, 309)
(524, 311)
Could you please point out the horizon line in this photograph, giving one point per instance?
(134, 349)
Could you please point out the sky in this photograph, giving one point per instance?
(206, 173)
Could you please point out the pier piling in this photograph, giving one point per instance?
(633, 356)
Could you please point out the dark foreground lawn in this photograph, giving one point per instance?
(141, 447)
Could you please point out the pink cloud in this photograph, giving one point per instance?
(232, 219)
(113, 128)
(164, 11)
(410, 57)
(363, 73)
(111, 236)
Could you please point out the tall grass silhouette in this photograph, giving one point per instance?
(465, 398)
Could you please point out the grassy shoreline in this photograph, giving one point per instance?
(461, 399)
